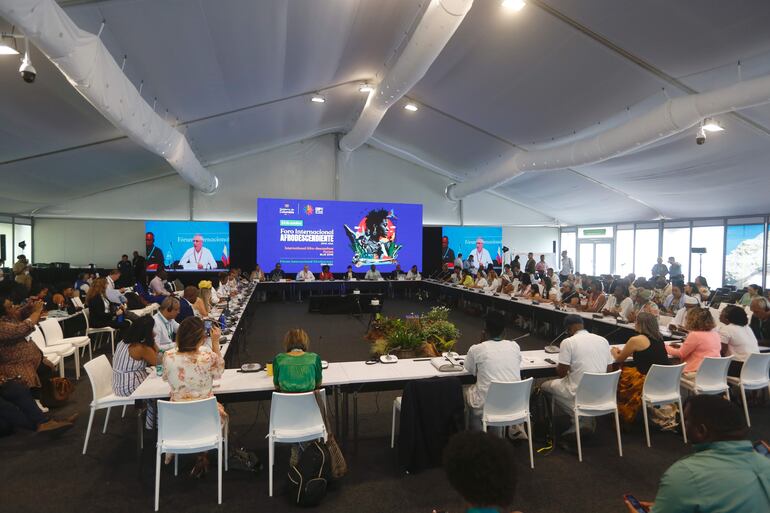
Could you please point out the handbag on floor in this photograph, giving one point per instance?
(57, 391)
(339, 467)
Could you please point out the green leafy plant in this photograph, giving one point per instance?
(437, 313)
(442, 333)
(405, 337)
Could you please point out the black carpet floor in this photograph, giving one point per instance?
(41, 474)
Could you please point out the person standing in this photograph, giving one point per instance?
(567, 267)
(674, 269)
(21, 272)
(659, 269)
(541, 267)
(530, 266)
(458, 263)
(126, 269)
(154, 254)
(140, 269)
(447, 253)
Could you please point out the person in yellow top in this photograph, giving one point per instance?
(467, 279)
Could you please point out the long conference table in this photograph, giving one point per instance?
(347, 379)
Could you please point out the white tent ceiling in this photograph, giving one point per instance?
(237, 74)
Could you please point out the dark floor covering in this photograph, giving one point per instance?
(40, 474)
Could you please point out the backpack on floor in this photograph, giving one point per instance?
(310, 476)
(540, 411)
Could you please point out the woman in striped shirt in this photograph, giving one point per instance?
(133, 355)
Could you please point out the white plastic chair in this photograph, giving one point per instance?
(507, 404)
(54, 335)
(711, 378)
(396, 409)
(100, 374)
(188, 427)
(98, 331)
(294, 418)
(596, 396)
(55, 355)
(661, 386)
(754, 376)
(77, 302)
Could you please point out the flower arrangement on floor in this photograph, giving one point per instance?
(429, 334)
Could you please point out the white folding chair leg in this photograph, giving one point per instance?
(646, 426)
(617, 430)
(77, 365)
(88, 429)
(106, 419)
(393, 428)
(112, 341)
(227, 442)
(219, 474)
(529, 439)
(157, 477)
(176, 464)
(123, 416)
(577, 435)
(271, 450)
(61, 367)
(681, 420)
(745, 405)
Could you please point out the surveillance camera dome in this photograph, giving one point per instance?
(28, 72)
(700, 139)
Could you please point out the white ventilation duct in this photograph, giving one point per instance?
(674, 116)
(438, 23)
(86, 63)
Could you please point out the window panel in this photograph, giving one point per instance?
(569, 244)
(712, 238)
(624, 252)
(743, 261)
(676, 243)
(645, 252)
(23, 233)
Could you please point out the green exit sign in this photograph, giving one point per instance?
(594, 232)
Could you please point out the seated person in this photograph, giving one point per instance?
(132, 356)
(550, 274)
(397, 272)
(661, 291)
(102, 312)
(703, 288)
(595, 299)
(646, 348)
(525, 286)
(760, 319)
(495, 359)
(725, 474)
(305, 274)
(158, 284)
(326, 274)
(506, 287)
(188, 304)
(349, 273)
(681, 315)
(481, 467)
(83, 283)
(467, 280)
(445, 274)
(481, 280)
(296, 370)
(702, 341)
(276, 274)
(115, 295)
(165, 324)
(413, 274)
(569, 296)
(675, 300)
(257, 274)
(737, 338)
(643, 303)
(581, 352)
(457, 275)
(690, 289)
(753, 291)
(550, 293)
(493, 281)
(373, 274)
(191, 369)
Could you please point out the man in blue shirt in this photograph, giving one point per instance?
(725, 475)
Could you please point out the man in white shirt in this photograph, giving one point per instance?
(373, 274)
(165, 323)
(158, 284)
(114, 295)
(413, 274)
(555, 281)
(457, 275)
(481, 255)
(681, 315)
(198, 257)
(566, 266)
(492, 360)
(581, 352)
(305, 274)
(737, 338)
(458, 263)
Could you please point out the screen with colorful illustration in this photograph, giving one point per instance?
(485, 243)
(299, 232)
(188, 245)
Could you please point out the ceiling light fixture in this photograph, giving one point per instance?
(411, 107)
(365, 88)
(5, 48)
(317, 98)
(712, 125)
(514, 5)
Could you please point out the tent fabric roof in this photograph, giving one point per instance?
(237, 75)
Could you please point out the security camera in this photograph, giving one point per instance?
(27, 71)
(700, 138)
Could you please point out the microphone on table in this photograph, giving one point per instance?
(521, 337)
(552, 348)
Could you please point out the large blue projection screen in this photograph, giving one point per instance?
(188, 245)
(297, 232)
